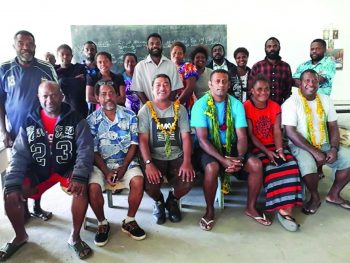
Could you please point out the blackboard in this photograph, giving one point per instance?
(120, 39)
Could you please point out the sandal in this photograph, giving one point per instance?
(8, 250)
(42, 214)
(260, 219)
(206, 225)
(80, 247)
(288, 222)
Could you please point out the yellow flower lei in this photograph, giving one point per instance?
(172, 128)
(310, 127)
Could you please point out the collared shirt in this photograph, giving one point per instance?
(326, 67)
(146, 70)
(222, 66)
(279, 75)
(112, 139)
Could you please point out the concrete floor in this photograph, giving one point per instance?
(323, 237)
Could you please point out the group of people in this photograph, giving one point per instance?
(90, 129)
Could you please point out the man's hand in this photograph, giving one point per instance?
(186, 172)
(6, 139)
(153, 174)
(234, 164)
(76, 188)
(332, 155)
(80, 76)
(319, 157)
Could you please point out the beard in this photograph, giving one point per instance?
(272, 54)
(26, 58)
(156, 52)
(317, 58)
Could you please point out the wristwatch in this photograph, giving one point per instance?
(148, 162)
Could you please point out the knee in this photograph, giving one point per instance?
(137, 183)
(254, 166)
(212, 171)
(95, 191)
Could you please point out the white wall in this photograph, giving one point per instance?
(250, 22)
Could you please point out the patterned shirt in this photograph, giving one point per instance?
(325, 67)
(279, 75)
(112, 139)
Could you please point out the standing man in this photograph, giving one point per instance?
(154, 64)
(324, 66)
(310, 121)
(275, 70)
(220, 124)
(114, 129)
(89, 52)
(54, 145)
(19, 81)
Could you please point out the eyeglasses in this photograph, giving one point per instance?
(105, 82)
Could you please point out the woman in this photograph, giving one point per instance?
(239, 76)
(165, 146)
(132, 100)
(104, 64)
(281, 173)
(188, 74)
(199, 57)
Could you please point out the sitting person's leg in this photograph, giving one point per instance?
(153, 190)
(342, 178)
(133, 179)
(96, 201)
(308, 171)
(254, 168)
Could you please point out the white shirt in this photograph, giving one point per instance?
(293, 114)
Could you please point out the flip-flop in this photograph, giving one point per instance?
(79, 247)
(9, 249)
(206, 225)
(343, 204)
(260, 219)
(288, 222)
(43, 215)
(308, 211)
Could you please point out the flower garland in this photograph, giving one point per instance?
(172, 128)
(214, 130)
(311, 138)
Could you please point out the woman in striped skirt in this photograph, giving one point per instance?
(281, 173)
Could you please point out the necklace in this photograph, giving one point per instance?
(166, 132)
(309, 124)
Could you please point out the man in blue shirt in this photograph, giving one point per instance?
(19, 81)
(324, 66)
(220, 124)
(114, 129)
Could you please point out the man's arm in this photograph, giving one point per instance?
(186, 170)
(333, 133)
(4, 135)
(242, 141)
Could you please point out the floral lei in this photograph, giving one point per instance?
(166, 132)
(214, 129)
(310, 127)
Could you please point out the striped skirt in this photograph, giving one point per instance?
(281, 183)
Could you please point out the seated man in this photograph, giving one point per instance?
(220, 124)
(165, 146)
(114, 129)
(55, 145)
(310, 121)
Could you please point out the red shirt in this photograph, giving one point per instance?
(49, 124)
(263, 120)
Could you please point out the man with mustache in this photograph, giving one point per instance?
(19, 81)
(275, 70)
(154, 64)
(323, 65)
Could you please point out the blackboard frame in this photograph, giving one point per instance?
(119, 39)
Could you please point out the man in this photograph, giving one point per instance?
(50, 58)
(310, 121)
(275, 70)
(114, 129)
(19, 81)
(72, 80)
(220, 124)
(165, 146)
(54, 145)
(219, 61)
(154, 64)
(324, 66)
(89, 52)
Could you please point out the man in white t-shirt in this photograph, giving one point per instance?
(311, 125)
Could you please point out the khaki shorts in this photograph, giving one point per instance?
(98, 177)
